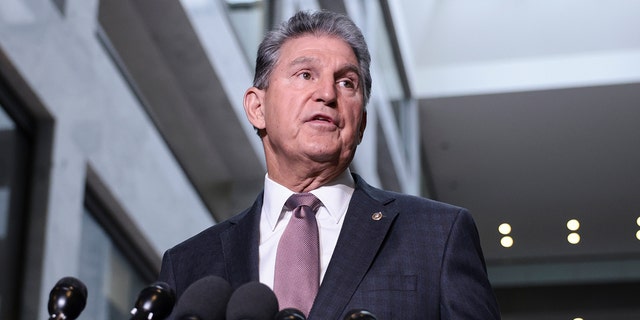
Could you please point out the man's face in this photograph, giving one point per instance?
(313, 108)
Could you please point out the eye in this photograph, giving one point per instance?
(305, 75)
(347, 83)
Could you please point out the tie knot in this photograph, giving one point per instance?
(303, 199)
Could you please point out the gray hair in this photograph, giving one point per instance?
(316, 23)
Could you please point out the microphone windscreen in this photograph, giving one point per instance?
(68, 297)
(205, 299)
(252, 300)
(361, 314)
(154, 302)
(290, 314)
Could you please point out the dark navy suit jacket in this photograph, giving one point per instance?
(421, 260)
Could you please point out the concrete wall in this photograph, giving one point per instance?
(98, 123)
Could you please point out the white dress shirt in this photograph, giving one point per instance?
(335, 197)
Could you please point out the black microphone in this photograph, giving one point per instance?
(205, 299)
(67, 299)
(154, 302)
(290, 314)
(360, 314)
(252, 301)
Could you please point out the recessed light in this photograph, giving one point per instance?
(504, 228)
(573, 238)
(573, 224)
(506, 242)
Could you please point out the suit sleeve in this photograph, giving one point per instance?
(166, 271)
(466, 291)
(166, 275)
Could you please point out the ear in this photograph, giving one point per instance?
(363, 125)
(254, 107)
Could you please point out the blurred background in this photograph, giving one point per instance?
(122, 133)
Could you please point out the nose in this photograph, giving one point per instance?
(325, 92)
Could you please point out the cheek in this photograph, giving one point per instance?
(279, 121)
(272, 114)
(358, 121)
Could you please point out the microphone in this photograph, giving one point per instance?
(252, 301)
(205, 299)
(290, 314)
(67, 299)
(360, 314)
(154, 302)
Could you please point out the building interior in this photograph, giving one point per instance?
(122, 133)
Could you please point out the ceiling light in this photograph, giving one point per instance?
(573, 224)
(573, 238)
(504, 228)
(506, 241)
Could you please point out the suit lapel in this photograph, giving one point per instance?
(362, 234)
(240, 246)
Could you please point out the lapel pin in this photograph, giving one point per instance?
(376, 216)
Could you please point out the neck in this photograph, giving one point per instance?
(303, 179)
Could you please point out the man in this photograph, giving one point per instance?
(398, 256)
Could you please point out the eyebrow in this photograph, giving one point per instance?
(345, 69)
(349, 68)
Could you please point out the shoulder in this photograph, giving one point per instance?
(210, 238)
(412, 201)
(405, 202)
(205, 240)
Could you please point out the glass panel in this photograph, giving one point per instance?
(382, 55)
(369, 17)
(11, 174)
(112, 281)
(250, 19)
(7, 130)
(247, 18)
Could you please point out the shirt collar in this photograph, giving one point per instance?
(334, 195)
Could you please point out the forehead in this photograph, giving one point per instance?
(317, 46)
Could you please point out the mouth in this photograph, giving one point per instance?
(322, 118)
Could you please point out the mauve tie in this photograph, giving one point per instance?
(297, 272)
